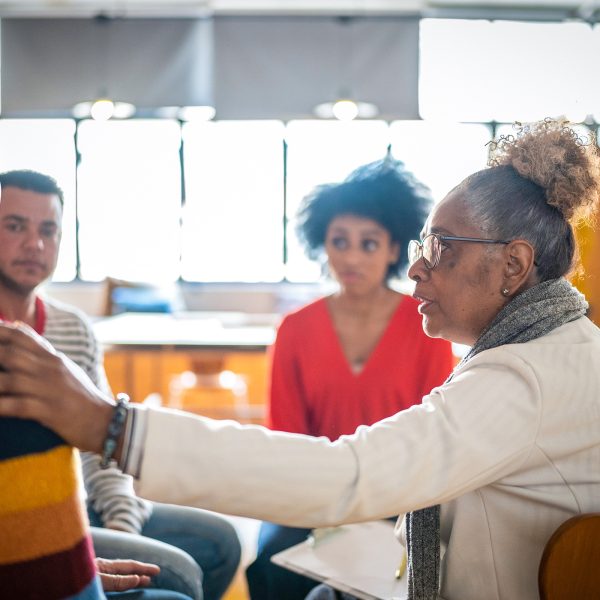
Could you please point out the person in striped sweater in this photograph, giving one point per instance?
(42, 524)
(198, 552)
(46, 551)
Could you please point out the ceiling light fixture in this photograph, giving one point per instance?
(186, 113)
(103, 108)
(345, 107)
(196, 113)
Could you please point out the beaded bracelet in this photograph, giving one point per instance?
(115, 427)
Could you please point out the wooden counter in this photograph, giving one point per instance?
(147, 353)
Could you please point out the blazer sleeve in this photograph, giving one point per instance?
(453, 443)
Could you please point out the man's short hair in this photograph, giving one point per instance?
(32, 181)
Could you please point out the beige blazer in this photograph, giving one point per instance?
(510, 448)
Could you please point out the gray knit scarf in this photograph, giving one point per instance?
(530, 315)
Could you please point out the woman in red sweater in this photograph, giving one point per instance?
(359, 355)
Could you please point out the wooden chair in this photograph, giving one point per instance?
(570, 565)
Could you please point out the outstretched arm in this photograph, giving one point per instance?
(427, 450)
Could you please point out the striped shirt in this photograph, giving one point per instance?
(109, 491)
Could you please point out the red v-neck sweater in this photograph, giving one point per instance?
(314, 391)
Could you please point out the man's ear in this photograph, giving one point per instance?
(519, 268)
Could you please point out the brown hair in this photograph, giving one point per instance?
(552, 155)
(540, 183)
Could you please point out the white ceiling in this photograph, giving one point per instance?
(545, 9)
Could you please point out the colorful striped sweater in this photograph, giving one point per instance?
(45, 547)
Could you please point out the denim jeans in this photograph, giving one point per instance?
(198, 551)
(147, 594)
(268, 581)
(324, 592)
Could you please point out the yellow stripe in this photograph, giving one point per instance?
(36, 480)
(43, 531)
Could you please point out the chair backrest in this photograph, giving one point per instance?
(570, 565)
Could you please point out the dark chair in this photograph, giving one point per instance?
(570, 565)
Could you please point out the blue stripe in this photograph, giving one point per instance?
(19, 437)
(92, 591)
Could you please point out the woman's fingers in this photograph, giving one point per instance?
(79, 418)
(11, 406)
(20, 335)
(22, 350)
(127, 567)
(32, 378)
(38, 383)
(121, 575)
(120, 583)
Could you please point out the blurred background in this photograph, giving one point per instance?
(217, 117)
(185, 134)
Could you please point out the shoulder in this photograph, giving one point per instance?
(315, 312)
(65, 314)
(580, 331)
(576, 343)
(299, 328)
(494, 378)
(64, 320)
(544, 377)
(577, 335)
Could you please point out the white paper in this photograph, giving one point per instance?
(359, 559)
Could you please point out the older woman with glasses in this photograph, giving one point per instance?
(486, 467)
(431, 246)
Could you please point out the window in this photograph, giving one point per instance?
(129, 200)
(440, 154)
(504, 70)
(233, 216)
(157, 200)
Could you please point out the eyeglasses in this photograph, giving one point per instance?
(431, 246)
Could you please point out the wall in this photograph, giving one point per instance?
(248, 67)
(587, 279)
(277, 298)
(252, 299)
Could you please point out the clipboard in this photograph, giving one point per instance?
(359, 559)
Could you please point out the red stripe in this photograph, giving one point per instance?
(40, 316)
(50, 578)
